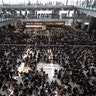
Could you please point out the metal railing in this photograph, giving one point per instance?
(4, 17)
(87, 5)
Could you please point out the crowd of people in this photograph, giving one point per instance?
(77, 75)
(53, 36)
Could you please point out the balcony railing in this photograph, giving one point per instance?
(90, 5)
(4, 17)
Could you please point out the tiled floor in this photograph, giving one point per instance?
(48, 68)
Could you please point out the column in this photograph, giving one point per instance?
(56, 14)
(12, 13)
(35, 12)
(92, 25)
(1, 29)
(15, 24)
(83, 21)
(15, 13)
(26, 13)
(68, 13)
(32, 13)
(75, 17)
(20, 12)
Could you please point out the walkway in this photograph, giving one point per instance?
(89, 12)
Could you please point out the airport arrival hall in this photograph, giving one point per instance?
(48, 48)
